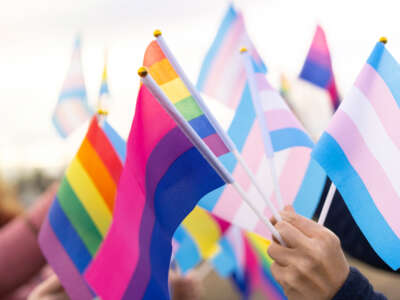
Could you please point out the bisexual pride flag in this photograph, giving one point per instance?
(72, 108)
(360, 152)
(317, 68)
(81, 213)
(163, 178)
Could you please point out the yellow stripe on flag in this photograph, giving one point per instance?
(88, 194)
(175, 90)
(162, 72)
(204, 230)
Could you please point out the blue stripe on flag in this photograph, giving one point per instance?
(58, 127)
(68, 237)
(224, 262)
(316, 74)
(310, 189)
(187, 256)
(75, 93)
(116, 140)
(202, 126)
(239, 130)
(227, 22)
(388, 68)
(385, 242)
(104, 89)
(290, 137)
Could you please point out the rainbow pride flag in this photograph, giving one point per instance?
(360, 152)
(198, 237)
(72, 108)
(301, 179)
(317, 68)
(163, 178)
(81, 213)
(222, 73)
(165, 76)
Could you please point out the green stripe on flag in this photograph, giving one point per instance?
(78, 217)
(188, 108)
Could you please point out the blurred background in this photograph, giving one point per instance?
(36, 42)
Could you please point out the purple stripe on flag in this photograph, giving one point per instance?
(216, 145)
(56, 256)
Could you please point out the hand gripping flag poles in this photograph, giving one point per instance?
(223, 135)
(192, 135)
(269, 151)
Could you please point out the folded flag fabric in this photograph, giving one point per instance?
(301, 179)
(81, 213)
(317, 68)
(72, 108)
(166, 77)
(222, 73)
(360, 153)
(198, 237)
(104, 92)
(163, 178)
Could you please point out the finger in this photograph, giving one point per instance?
(278, 272)
(306, 226)
(280, 254)
(292, 236)
(289, 208)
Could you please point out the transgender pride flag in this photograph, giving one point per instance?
(300, 179)
(360, 152)
(72, 108)
(222, 73)
(317, 68)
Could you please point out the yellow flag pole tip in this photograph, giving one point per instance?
(101, 112)
(243, 50)
(157, 33)
(142, 72)
(383, 40)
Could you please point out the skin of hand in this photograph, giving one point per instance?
(186, 287)
(50, 289)
(313, 265)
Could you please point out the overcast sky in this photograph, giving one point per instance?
(36, 39)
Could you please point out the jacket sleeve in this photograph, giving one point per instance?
(357, 287)
(20, 255)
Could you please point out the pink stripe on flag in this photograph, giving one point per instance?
(128, 214)
(376, 91)
(236, 90)
(280, 119)
(65, 269)
(216, 145)
(262, 83)
(225, 53)
(290, 181)
(365, 164)
(253, 151)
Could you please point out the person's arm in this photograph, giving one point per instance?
(313, 265)
(357, 287)
(20, 255)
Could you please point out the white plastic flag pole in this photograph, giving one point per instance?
(255, 96)
(221, 132)
(327, 204)
(192, 135)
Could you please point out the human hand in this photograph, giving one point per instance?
(313, 265)
(186, 287)
(50, 289)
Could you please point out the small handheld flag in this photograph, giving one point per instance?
(317, 68)
(360, 153)
(72, 108)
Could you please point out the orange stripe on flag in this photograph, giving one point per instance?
(98, 173)
(153, 54)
